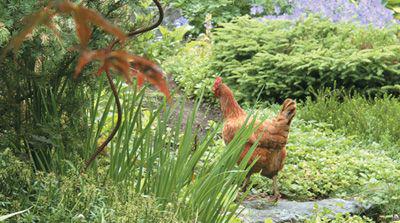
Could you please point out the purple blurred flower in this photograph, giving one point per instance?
(181, 21)
(256, 9)
(367, 12)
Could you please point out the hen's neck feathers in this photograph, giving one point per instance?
(229, 106)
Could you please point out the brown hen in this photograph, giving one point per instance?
(272, 134)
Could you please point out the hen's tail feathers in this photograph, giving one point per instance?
(288, 110)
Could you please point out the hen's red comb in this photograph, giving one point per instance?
(217, 82)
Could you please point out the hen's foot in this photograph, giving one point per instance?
(274, 198)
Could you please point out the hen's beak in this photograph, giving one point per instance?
(215, 91)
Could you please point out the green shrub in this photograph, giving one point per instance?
(384, 198)
(290, 58)
(15, 176)
(373, 119)
(221, 11)
(190, 68)
(77, 199)
(44, 109)
(71, 198)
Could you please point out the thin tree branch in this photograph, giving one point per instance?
(114, 131)
(146, 29)
(155, 25)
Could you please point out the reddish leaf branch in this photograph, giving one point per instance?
(141, 64)
(119, 60)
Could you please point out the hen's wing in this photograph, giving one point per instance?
(274, 133)
(231, 127)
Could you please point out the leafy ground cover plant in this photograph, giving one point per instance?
(325, 215)
(322, 163)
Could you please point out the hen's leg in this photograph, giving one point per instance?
(246, 183)
(275, 189)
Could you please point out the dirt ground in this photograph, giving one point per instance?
(206, 112)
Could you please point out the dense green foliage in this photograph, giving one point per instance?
(223, 10)
(289, 59)
(71, 197)
(394, 5)
(43, 106)
(372, 119)
(279, 59)
(40, 102)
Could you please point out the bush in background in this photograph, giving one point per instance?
(190, 68)
(278, 59)
(362, 11)
(288, 59)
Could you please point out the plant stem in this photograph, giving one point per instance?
(146, 29)
(114, 131)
